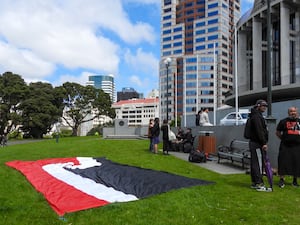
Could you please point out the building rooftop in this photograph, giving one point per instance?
(137, 101)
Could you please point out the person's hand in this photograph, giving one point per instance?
(264, 147)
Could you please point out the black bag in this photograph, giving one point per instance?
(197, 157)
(247, 130)
(187, 147)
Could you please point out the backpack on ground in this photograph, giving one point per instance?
(197, 157)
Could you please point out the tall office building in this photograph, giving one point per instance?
(104, 82)
(196, 67)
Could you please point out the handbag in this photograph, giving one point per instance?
(171, 134)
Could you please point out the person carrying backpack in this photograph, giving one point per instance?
(258, 136)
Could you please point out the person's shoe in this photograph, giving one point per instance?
(256, 186)
(264, 189)
(281, 183)
(295, 184)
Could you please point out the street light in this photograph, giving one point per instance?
(167, 63)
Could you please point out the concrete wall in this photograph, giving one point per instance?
(223, 134)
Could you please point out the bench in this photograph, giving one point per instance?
(237, 151)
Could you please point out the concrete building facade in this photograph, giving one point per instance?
(252, 52)
(137, 112)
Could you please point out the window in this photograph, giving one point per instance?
(176, 44)
(212, 5)
(179, 51)
(191, 76)
(201, 24)
(177, 29)
(167, 17)
(213, 13)
(200, 40)
(191, 68)
(200, 32)
(179, 36)
(167, 39)
(213, 37)
(191, 60)
(191, 84)
(166, 31)
(200, 47)
(167, 24)
(212, 21)
(212, 29)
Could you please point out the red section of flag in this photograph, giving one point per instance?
(62, 197)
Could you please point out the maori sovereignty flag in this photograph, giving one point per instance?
(73, 184)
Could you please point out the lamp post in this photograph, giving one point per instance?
(167, 63)
(269, 58)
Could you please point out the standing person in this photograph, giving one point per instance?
(155, 135)
(151, 124)
(165, 137)
(258, 142)
(288, 131)
(198, 115)
(204, 119)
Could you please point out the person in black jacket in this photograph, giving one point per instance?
(258, 141)
(288, 131)
(155, 135)
(165, 136)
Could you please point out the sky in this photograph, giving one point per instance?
(59, 41)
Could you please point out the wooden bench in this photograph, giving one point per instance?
(238, 151)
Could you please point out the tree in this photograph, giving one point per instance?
(13, 90)
(83, 104)
(41, 109)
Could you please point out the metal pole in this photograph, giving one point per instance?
(167, 65)
(269, 59)
(215, 86)
(236, 77)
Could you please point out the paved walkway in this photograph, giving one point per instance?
(213, 165)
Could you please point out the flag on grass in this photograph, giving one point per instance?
(73, 184)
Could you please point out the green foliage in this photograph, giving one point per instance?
(13, 90)
(15, 135)
(81, 101)
(229, 201)
(95, 130)
(172, 123)
(40, 110)
(65, 133)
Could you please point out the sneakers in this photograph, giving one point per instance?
(295, 184)
(265, 189)
(281, 183)
(255, 186)
(261, 187)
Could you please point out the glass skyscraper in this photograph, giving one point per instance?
(104, 82)
(197, 41)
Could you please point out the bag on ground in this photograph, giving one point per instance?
(197, 157)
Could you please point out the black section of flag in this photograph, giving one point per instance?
(134, 180)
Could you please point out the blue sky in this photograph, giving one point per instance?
(66, 40)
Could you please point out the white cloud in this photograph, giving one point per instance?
(20, 60)
(81, 79)
(145, 62)
(37, 36)
(136, 80)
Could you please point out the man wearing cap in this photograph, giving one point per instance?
(258, 143)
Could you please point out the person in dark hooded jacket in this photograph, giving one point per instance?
(258, 141)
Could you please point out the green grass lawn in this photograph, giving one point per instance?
(228, 201)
